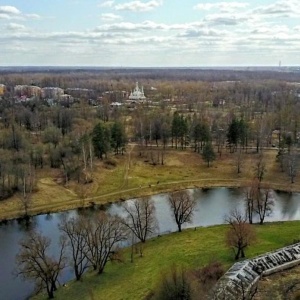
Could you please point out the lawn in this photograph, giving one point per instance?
(191, 249)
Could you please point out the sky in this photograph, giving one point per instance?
(149, 33)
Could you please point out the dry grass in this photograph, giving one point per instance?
(134, 175)
(282, 285)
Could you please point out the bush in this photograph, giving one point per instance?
(174, 286)
(110, 163)
(210, 273)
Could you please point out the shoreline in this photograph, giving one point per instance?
(144, 191)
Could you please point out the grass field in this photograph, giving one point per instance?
(133, 175)
(191, 249)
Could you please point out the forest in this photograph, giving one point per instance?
(208, 112)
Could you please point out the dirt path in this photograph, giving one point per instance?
(127, 167)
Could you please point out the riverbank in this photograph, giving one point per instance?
(132, 175)
(193, 249)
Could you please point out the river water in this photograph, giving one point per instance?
(212, 206)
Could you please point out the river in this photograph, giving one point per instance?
(212, 206)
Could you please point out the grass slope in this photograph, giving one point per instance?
(191, 249)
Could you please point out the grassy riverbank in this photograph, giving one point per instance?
(191, 249)
(133, 175)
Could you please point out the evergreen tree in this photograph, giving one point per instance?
(233, 134)
(118, 137)
(208, 153)
(101, 140)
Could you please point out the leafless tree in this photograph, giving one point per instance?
(251, 194)
(239, 160)
(182, 206)
(291, 162)
(260, 168)
(103, 234)
(141, 219)
(264, 204)
(35, 264)
(240, 234)
(74, 231)
(28, 183)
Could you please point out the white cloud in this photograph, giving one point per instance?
(107, 4)
(222, 6)
(281, 8)
(110, 17)
(10, 10)
(138, 6)
(15, 27)
(226, 19)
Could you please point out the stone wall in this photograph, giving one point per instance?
(240, 281)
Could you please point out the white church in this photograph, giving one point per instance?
(137, 93)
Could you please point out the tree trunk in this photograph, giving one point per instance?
(179, 227)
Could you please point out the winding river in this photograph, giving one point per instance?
(212, 206)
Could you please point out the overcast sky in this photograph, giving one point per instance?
(154, 33)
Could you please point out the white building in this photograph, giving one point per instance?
(52, 92)
(137, 93)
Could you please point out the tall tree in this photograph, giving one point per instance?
(141, 218)
(208, 153)
(182, 205)
(264, 204)
(103, 234)
(35, 264)
(233, 134)
(101, 140)
(74, 232)
(240, 234)
(118, 137)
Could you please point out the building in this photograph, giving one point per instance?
(80, 92)
(27, 91)
(137, 93)
(2, 89)
(52, 93)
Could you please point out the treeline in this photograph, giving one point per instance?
(34, 136)
(207, 118)
(288, 74)
(92, 240)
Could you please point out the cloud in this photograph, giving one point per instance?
(222, 6)
(11, 12)
(202, 32)
(281, 8)
(138, 6)
(107, 4)
(110, 17)
(15, 27)
(226, 19)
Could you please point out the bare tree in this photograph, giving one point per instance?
(141, 218)
(74, 231)
(239, 160)
(291, 162)
(240, 234)
(103, 234)
(258, 201)
(34, 263)
(251, 194)
(28, 183)
(264, 204)
(260, 168)
(182, 206)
